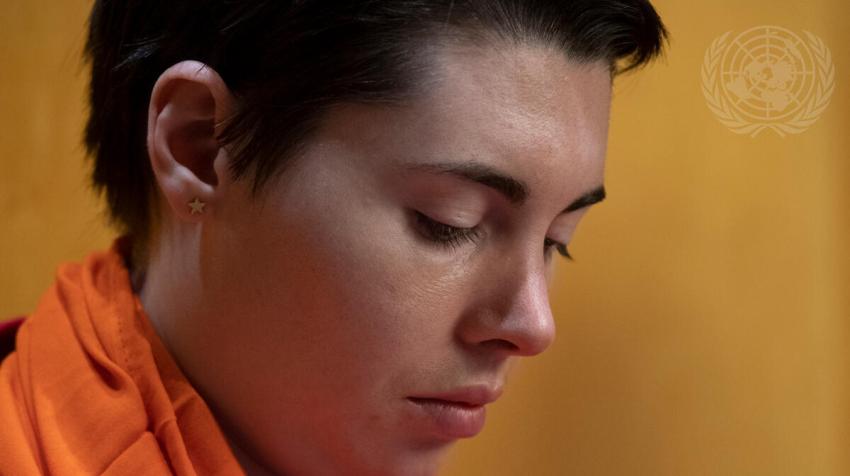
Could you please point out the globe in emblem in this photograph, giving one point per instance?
(768, 77)
(768, 73)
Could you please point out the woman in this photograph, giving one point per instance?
(339, 224)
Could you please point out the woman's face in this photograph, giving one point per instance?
(328, 304)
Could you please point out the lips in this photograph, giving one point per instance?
(475, 395)
(447, 402)
(448, 420)
(460, 413)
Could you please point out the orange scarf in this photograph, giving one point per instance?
(90, 388)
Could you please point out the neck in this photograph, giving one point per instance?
(249, 464)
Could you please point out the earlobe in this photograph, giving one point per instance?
(187, 103)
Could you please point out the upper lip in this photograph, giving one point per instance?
(470, 395)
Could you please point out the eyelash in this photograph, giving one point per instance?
(452, 236)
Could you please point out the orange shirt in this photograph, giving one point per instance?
(90, 388)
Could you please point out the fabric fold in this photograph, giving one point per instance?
(91, 389)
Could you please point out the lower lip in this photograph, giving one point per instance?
(450, 419)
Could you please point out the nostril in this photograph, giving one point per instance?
(501, 344)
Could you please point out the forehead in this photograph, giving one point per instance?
(518, 106)
(524, 109)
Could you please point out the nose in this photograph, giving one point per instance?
(512, 314)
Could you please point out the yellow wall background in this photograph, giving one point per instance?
(703, 329)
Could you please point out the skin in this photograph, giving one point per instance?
(307, 317)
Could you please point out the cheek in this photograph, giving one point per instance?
(352, 287)
(381, 282)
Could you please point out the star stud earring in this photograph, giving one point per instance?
(197, 206)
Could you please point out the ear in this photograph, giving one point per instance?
(188, 103)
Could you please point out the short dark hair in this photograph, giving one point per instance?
(288, 62)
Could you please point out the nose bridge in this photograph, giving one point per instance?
(519, 300)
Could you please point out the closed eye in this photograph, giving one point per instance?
(455, 237)
(446, 235)
(549, 244)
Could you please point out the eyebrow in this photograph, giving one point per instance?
(516, 191)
